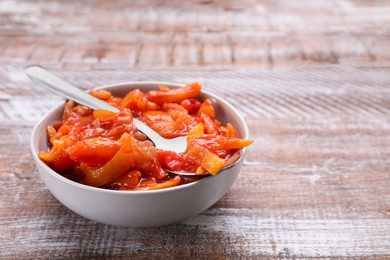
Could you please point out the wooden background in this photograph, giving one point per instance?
(312, 79)
(193, 34)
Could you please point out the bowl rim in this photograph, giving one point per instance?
(75, 184)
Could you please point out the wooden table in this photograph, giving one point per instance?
(312, 79)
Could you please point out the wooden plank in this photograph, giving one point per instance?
(295, 34)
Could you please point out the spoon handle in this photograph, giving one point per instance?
(65, 89)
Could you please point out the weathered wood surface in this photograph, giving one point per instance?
(312, 78)
(196, 33)
(315, 184)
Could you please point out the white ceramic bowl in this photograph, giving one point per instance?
(139, 208)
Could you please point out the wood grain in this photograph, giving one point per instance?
(310, 77)
(197, 34)
(315, 184)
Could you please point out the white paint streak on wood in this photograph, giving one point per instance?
(309, 237)
(315, 176)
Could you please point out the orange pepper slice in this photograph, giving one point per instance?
(204, 158)
(177, 180)
(174, 94)
(122, 161)
(94, 151)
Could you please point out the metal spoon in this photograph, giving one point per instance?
(178, 144)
